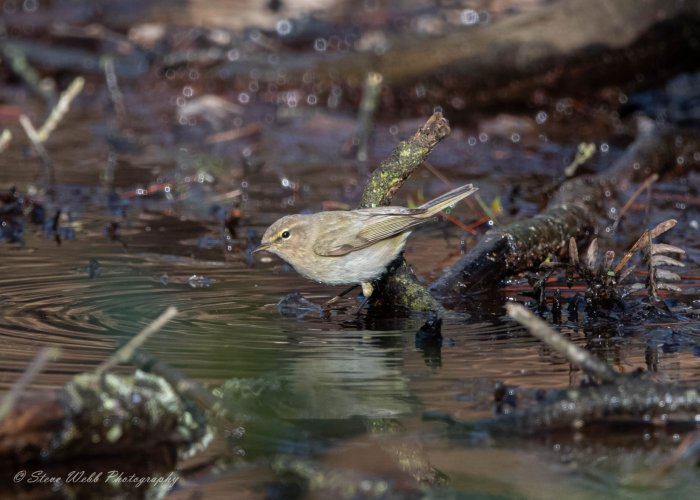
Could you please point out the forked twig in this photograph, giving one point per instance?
(40, 149)
(61, 108)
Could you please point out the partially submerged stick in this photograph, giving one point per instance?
(577, 356)
(400, 287)
(127, 351)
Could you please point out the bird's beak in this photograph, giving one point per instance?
(262, 247)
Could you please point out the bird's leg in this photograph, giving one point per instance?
(367, 290)
(365, 301)
(338, 297)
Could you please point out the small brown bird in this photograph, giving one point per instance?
(353, 246)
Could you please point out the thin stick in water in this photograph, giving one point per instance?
(45, 355)
(579, 357)
(127, 351)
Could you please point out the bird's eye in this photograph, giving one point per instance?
(285, 234)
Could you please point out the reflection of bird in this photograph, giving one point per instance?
(348, 247)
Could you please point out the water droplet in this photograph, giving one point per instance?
(469, 17)
(284, 27)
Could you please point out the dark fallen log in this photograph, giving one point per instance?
(572, 212)
(516, 247)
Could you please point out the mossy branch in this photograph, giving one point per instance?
(400, 287)
(405, 158)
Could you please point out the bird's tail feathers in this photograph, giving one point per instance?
(450, 198)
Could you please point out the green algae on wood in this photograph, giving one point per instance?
(405, 158)
(400, 287)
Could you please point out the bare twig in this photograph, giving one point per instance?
(652, 233)
(370, 97)
(5, 139)
(113, 87)
(61, 108)
(585, 151)
(645, 185)
(40, 149)
(233, 134)
(127, 351)
(18, 63)
(45, 355)
(559, 343)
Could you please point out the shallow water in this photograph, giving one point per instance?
(319, 382)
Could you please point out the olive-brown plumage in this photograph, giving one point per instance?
(354, 246)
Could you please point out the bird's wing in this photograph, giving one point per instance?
(375, 224)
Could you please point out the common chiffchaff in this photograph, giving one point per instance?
(354, 246)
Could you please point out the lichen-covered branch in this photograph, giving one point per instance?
(405, 158)
(400, 288)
